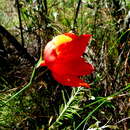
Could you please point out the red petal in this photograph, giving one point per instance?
(72, 66)
(69, 80)
(50, 53)
(42, 63)
(76, 47)
(71, 35)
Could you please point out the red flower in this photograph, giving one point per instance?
(62, 55)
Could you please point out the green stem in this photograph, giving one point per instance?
(103, 100)
(87, 117)
(109, 97)
(25, 87)
(118, 41)
(66, 107)
(117, 93)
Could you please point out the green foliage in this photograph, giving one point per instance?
(69, 108)
(13, 113)
(48, 105)
(8, 15)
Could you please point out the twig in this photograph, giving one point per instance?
(45, 5)
(124, 119)
(21, 50)
(20, 22)
(76, 16)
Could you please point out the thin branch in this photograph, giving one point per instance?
(21, 50)
(124, 119)
(20, 22)
(45, 5)
(76, 16)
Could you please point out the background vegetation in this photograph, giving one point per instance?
(47, 104)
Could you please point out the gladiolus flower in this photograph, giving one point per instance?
(63, 56)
